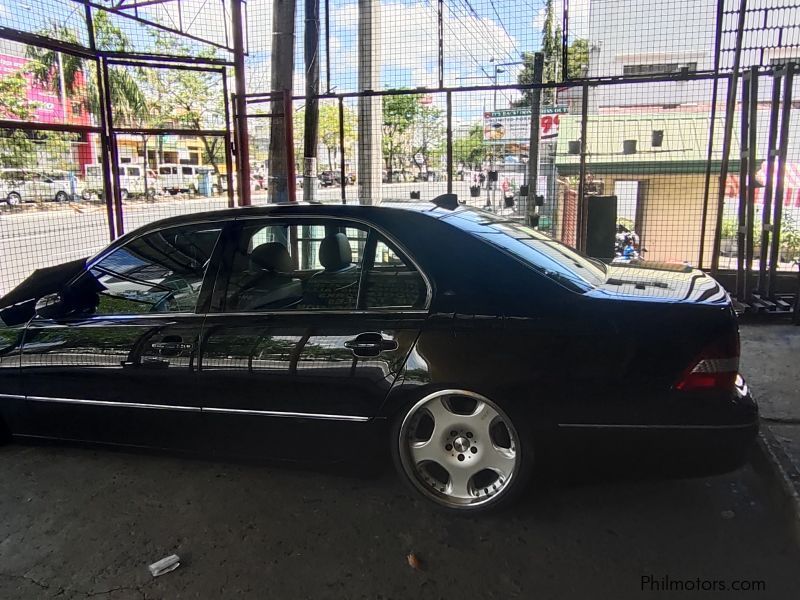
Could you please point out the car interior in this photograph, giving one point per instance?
(325, 275)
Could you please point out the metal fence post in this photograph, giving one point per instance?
(243, 143)
(449, 148)
(288, 128)
(779, 184)
(533, 148)
(580, 238)
(766, 213)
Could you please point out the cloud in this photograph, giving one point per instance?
(578, 17)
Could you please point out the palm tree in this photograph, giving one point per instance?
(65, 73)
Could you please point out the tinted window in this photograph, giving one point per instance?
(188, 171)
(551, 258)
(165, 170)
(393, 282)
(281, 265)
(159, 272)
(134, 171)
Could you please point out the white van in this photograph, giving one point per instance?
(179, 178)
(131, 181)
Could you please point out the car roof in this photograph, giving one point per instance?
(313, 209)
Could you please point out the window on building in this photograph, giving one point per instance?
(657, 68)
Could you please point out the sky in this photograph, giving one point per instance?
(478, 34)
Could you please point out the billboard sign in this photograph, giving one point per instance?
(46, 103)
(513, 126)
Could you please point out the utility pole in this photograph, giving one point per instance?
(283, 13)
(370, 108)
(311, 133)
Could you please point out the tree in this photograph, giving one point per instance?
(399, 114)
(428, 138)
(577, 57)
(15, 145)
(188, 99)
(470, 149)
(329, 130)
(51, 68)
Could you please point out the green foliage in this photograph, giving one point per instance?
(577, 57)
(790, 239)
(14, 103)
(329, 131)
(399, 114)
(470, 149)
(429, 136)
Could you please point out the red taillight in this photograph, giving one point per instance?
(715, 368)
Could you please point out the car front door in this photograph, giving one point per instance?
(305, 331)
(120, 366)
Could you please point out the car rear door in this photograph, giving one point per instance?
(122, 368)
(285, 360)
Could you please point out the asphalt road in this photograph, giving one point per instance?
(31, 238)
(79, 523)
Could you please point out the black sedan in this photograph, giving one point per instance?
(467, 342)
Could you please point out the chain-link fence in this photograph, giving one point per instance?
(142, 110)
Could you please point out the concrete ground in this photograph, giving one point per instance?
(771, 364)
(80, 523)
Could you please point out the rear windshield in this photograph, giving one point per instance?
(547, 256)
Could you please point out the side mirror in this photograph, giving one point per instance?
(51, 306)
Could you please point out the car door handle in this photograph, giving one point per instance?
(370, 344)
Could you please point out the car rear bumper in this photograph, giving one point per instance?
(699, 443)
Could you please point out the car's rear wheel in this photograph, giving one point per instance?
(462, 451)
(13, 199)
(62, 197)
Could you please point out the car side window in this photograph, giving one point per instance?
(393, 282)
(280, 265)
(162, 271)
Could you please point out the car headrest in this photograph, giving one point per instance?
(335, 253)
(271, 256)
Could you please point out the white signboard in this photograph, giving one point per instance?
(514, 126)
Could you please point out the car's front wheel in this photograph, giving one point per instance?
(13, 199)
(462, 451)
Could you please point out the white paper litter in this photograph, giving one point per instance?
(165, 565)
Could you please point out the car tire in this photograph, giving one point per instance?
(123, 194)
(462, 451)
(61, 197)
(13, 199)
(151, 193)
(86, 195)
(216, 189)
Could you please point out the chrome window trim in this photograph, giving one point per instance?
(112, 403)
(196, 409)
(379, 230)
(286, 414)
(310, 312)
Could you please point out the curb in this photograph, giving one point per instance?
(782, 477)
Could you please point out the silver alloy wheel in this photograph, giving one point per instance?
(62, 197)
(459, 449)
(13, 199)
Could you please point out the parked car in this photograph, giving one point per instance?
(327, 178)
(131, 181)
(256, 183)
(470, 344)
(11, 180)
(35, 185)
(174, 179)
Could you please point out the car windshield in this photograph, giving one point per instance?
(548, 256)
